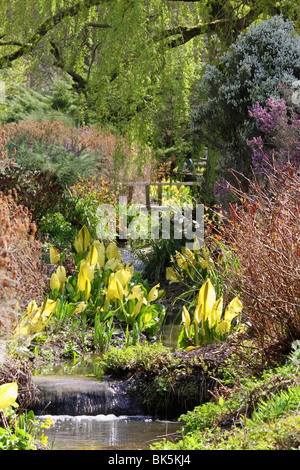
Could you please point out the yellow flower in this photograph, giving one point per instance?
(101, 253)
(31, 308)
(82, 240)
(92, 256)
(8, 394)
(197, 315)
(112, 264)
(114, 289)
(186, 317)
(171, 275)
(188, 254)
(136, 292)
(49, 308)
(61, 274)
(54, 255)
(215, 314)
(233, 309)
(181, 262)
(78, 245)
(80, 307)
(54, 282)
(84, 284)
(153, 294)
(130, 269)
(206, 298)
(138, 307)
(223, 327)
(112, 251)
(123, 276)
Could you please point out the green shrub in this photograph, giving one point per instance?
(66, 160)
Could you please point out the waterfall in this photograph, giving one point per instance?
(79, 395)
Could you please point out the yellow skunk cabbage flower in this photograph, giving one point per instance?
(8, 394)
(112, 251)
(223, 327)
(138, 307)
(61, 274)
(206, 298)
(188, 254)
(153, 294)
(197, 315)
(101, 253)
(54, 255)
(136, 292)
(92, 256)
(215, 314)
(123, 276)
(171, 275)
(31, 308)
(49, 308)
(114, 289)
(54, 282)
(130, 269)
(186, 317)
(81, 281)
(233, 309)
(80, 307)
(82, 240)
(112, 264)
(181, 261)
(86, 269)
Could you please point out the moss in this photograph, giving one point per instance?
(169, 384)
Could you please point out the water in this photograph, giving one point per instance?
(107, 432)
(104, 431)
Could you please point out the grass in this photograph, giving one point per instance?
(254, 414)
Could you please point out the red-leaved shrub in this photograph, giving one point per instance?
(263, 233)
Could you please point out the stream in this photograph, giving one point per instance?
(91, 414)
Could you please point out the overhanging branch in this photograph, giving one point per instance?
(44, 28)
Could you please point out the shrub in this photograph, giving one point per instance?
(21, 272)
(37, 191)
(263, 233)
(251, 70)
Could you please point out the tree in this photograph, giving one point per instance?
(261, 59)
(120, 53)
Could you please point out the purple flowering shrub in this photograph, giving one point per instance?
(280, 139)
(278, 144)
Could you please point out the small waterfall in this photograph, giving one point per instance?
(79, 395)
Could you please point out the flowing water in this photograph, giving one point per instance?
(107, 432)
(88, 414)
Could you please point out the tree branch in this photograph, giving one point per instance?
(45, 27)
(80, 81)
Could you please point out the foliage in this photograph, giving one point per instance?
(144, 84)
(210, 323)
(21, 271)
(254, 413)
(64, 160)
(251, 70)
(263, 233)
(279, 125)
(26, 184)
(19, 431)
(101, 287)
(123, 360)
